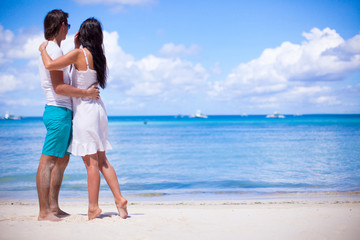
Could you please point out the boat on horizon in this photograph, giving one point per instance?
(275, 115)
(199, 115)
(9, 116)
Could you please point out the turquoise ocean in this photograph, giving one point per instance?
(221, 157)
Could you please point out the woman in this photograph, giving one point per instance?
(90, 124)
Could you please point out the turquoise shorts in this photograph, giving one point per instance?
(58, 121)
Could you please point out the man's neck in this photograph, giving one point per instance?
(57, 40)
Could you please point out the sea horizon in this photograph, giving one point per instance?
(190, 114)
(176, 157)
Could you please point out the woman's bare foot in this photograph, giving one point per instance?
(49, 217)
(93, 213)
(121, 206)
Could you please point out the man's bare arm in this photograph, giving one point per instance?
(67, 90)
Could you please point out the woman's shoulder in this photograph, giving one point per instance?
(76, 50)
(78, 53)
(74, 53)
(87, 51)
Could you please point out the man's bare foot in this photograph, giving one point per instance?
(93, 213)
(59, 213)
(49, 217)
(122, 208)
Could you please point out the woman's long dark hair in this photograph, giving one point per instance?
(91, 37)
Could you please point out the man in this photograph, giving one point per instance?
(57, 119)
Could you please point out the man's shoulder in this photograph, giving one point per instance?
(54, 50)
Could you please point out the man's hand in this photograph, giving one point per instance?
(93, 92)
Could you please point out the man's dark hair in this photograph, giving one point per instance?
(52, 23)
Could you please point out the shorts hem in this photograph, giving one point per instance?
(55, 154)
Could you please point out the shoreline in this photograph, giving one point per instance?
(197, 196)
(278, 217)
(268, 199)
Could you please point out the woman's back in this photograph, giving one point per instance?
(83, 76)
(82, 62)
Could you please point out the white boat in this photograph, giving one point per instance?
(11, 117)
(199, 115)
(275, 115)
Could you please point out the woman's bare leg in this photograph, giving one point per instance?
(93, 181)
(110, 176)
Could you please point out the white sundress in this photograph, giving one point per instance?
(90, 122)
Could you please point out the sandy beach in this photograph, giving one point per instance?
(325, 217)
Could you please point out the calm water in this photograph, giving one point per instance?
(184, 157)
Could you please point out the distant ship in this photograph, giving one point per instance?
(199, 115)
(11, 117)
(275, 115)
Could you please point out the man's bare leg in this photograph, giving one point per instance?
(43, 177)
(57, 175)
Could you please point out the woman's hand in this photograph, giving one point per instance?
(43, 46)
(76, 40)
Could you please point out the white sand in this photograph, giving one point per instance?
(327, 218)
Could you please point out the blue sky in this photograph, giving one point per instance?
(175, 57)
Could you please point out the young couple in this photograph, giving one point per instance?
(74, 116)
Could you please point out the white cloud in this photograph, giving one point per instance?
(29, 49)
(6, 36)
(284, 77)
(23, 46)
(329, 100)
(216, 69)
(151, 76)
(293, 68)
(25, 80)
(14, 50)
(25, 102)
(160, 76)
(115, 56)
(172, 50)
(8, 82)
(308, 95)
